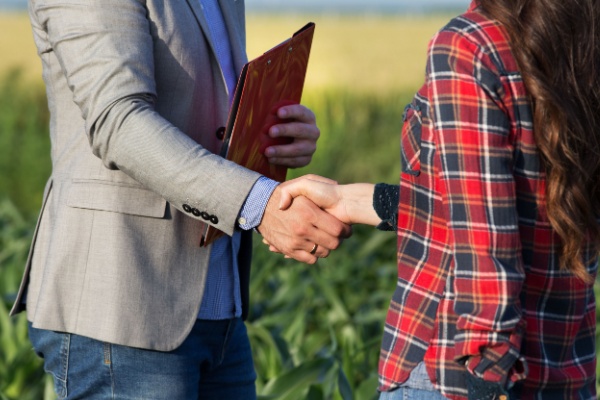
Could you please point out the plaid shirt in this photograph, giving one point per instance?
(478, 272)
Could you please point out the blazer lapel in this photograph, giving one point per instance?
(201, 18)
(237, 36)
(236, 24)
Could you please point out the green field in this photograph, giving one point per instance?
(315, 330)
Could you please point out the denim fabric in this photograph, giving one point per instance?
(406, 393)
(419, 379)
(418, 386)
(214, 362)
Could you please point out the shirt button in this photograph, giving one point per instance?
(220, 133)
(242, 221)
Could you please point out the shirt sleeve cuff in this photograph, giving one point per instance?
(385, 203)
(509, 367)
(256, 202)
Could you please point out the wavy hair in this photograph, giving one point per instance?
(557, 46)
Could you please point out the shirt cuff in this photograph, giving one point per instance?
(494, 359)
(385, 203)
(256, 202)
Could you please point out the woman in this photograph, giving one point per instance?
(498, 216)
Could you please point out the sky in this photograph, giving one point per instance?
(337, 6)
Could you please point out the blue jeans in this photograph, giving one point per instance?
(214, 362)
(408, 393)
(417, 387)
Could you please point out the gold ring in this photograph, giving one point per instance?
(314, 249)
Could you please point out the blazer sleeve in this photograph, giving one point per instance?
(105, 50)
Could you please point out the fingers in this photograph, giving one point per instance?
(315, 250)
(296, 154)
(290, 159)
(294, 189)
(318, 178)
(295, 231)
(319, 252)
(299, 124)
(272, 248)
(297, 112)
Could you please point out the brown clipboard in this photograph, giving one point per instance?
(266, 83)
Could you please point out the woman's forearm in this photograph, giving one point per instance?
(358, 201)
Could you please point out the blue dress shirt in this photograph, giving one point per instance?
(222, 298)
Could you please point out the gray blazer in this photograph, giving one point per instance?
(135, 96)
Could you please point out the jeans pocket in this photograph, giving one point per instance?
(53, 348)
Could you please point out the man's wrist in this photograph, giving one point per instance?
(254, 207)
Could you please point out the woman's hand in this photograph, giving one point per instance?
(351, 204)
(324, 192)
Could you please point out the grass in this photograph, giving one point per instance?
(24, 141)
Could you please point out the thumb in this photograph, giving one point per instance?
(288, 192)
(299, 187)
(285, 200)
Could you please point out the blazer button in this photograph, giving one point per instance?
(214, 219)
(205, 216)
(187, 208)
(196, 212)
(220, 133)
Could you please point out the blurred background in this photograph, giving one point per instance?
(315, 330)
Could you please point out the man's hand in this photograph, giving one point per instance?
(299, 123)
(296, 230)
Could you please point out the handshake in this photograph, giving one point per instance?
(308, 217)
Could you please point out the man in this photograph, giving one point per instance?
(122, 300)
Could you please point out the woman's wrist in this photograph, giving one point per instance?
(358, 202)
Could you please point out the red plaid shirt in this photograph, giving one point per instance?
(478, 271)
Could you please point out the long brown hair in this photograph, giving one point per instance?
(557, 46)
